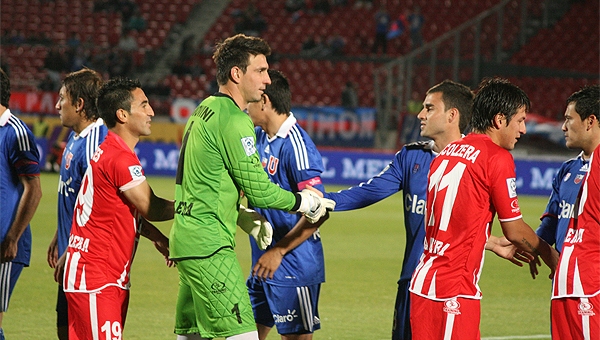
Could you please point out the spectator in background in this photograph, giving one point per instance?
(414, 105)
(128, 42)
(137, 21)
(250, 21)
(73, 42)
(337, 43)
(40, 127)
(382, 23)
(415, 21)
(349, 96)
(363, 3)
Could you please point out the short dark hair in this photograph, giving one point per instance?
(114, 95)
(456, 95)
(497, 96)
(279, 92)
(4, 88)
(84, 84)
(236, 51)
(587, 101)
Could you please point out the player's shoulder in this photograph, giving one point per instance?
(419, 146)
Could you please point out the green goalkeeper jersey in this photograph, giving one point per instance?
(217, 162)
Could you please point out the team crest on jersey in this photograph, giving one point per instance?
(68, 159)
(586, 309)
(272, 165)
(416, 168)
(136, 171)
(578, 179)
(452, 307)
(511, 184)
(248, 143)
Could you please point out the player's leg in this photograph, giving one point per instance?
(401, 325)
(451, 319)
(260, 307)
(62, 316)
(9, 274)
(219, 294)
(97, 315)
(185, 315)
(294, 310)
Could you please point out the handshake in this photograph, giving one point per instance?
(311, 205)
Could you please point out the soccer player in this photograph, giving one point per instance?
(446, 112)
(292, 161)
(107, 222)
(20, 193)
(218, 160)
(580, 133)
(576, 289)
(470, 181)
(76, 106)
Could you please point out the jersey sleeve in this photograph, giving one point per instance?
(24, 154)
(386, 183)
(503, 187)
(303, 161)
(244, 166)
(126, 172)
(547, 228)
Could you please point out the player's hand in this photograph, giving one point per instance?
(59, 269)
(551, 260)
(162, 246)
(533, 270)
(502, 247)
(267, 264)
(314, 207)
(316, 191)
(52, 256)
(256, 225)
(8, 250)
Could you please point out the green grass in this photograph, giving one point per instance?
(363, 252)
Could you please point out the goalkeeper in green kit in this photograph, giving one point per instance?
(218, 163)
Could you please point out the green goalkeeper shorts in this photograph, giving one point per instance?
(213, 299)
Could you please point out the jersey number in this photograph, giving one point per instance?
(179, 175)
(109, 331)
(438, 181)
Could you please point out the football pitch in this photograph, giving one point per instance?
(363, 255)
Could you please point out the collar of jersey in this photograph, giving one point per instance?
(88, 128)
(5, 117)
(287, 125)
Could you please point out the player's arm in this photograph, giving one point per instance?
(160, 241)
(502, 247)
(523, 237)
(268, 263)
(152, 207)
(32, 193)
(377, 188)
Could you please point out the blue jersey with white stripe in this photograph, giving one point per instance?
(19, 156)
(407, 173)
(75, 160)
(292, 161)
(565, 188)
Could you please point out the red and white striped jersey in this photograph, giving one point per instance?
(578, 271)
(470, 180)
(104, 234)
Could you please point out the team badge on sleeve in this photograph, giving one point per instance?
(511, 185)
(136, 171)
(248, 143)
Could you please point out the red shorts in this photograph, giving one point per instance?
(576, 318)
(451, 319)
(99, 315)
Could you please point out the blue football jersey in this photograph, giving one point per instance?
(292, 161)
(19, 156)
(75, 160)
(407, 173)
(565, 188)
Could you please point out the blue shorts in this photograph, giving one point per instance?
(9, 273)
(294, 310)
(62, 315)
(401, 326)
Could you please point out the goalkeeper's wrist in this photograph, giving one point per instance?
(298, 202)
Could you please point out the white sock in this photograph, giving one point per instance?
(244, 336)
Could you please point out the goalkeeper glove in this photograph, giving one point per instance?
(256, 225)
(314, 207)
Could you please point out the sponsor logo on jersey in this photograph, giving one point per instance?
(184, 208)
(248, 144)
(452, 307)
(289, 317)
(135, 171)
(574, 236)
(566, 209)
(414, 205)
(416, 168)
(585, 308)
(578, 179)
(218, 287)
(514, 205)
(511, 185)
(585, 167)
